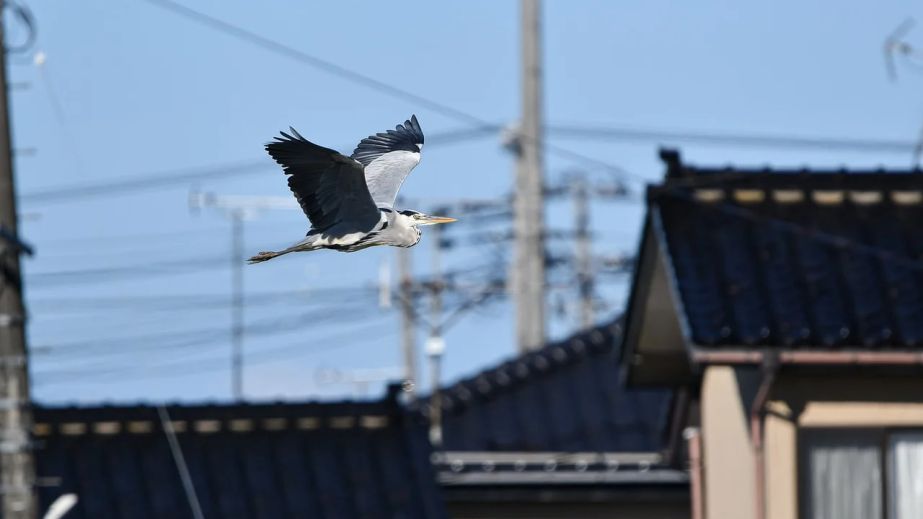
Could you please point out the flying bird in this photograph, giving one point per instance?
(350, 200)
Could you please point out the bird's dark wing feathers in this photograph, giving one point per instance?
(407, 136)
(329, 186)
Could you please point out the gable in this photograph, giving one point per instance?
(655, 351)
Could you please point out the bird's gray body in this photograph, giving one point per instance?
(349, 200)
(393, 228)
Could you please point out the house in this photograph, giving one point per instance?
(787, 306)
(248, 461)
(554, 433)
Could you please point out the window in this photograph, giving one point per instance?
(905, 473)
(861, 474)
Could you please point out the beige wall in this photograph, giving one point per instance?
(728, 461)
(780, 451)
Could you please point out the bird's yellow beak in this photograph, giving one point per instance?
(433, 220)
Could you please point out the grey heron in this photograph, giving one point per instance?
(350, 200)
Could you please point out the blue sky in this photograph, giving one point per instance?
(128, 90)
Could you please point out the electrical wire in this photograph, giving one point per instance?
(121, 273)
(79, 192)
(132, 344)
(199, 301)
(370, 82)
(314, 61)
(256, 356)
(175, 177)
(25, 16)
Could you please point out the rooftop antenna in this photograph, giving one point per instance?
(894, 44)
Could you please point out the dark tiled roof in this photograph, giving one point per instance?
(247, 461)
(565, 397)
(795, 258)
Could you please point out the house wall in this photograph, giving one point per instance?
(728, 461)
(799, 402)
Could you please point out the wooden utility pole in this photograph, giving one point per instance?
(17, 472)
(529, 267)
(584, 255)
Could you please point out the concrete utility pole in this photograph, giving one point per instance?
(238, 208)
(584, 254)
(237, 303)
(435, 343)
(529, 266)
(408, 332)
(438, 284)
(17, 472)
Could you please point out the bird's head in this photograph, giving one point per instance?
(419, 219)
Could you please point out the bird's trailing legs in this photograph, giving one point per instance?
(306, 244)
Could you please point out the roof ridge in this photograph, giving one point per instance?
(677, 170)
(515, 371)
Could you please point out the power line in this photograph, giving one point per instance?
(180, 461)
(123, 240)
(27, 19)
(218, 363)
(185, 175)
(133, 344)
(316, 62)
(196, 301)
(124, 359)
(95, 246)
(142, 182)
(90, 275)
(370, 82)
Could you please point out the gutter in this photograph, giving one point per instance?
(809, 357)
(696, 482)
(757, 415)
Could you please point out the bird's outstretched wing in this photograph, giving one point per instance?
(388, 158)
(329, 186)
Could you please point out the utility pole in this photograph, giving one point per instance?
(435, 343)
(408, 332)
(529, 263)
(17, 472)
(238, 208)
(584, 254)
(237, 303)
(438, 283)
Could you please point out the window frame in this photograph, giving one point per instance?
(883, 434)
